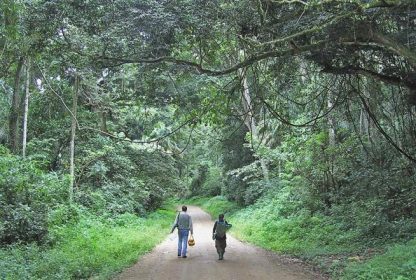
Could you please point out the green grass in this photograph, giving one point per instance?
(398, 263)
(90, 249)
(314, 238)
(214, 205)
(301, 235)
(310, 238)
(258, 224)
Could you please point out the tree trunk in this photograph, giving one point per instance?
(26, 107)
(366, 120)
(331, 121)
(104, 121)
(303, 71)
(330, 180)
(72, 143)
(249, 120)
(365, 123)
(14, 110)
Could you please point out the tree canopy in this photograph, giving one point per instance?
(307, 104)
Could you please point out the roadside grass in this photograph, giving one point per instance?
(398, 263)
(213, 205)
(310, 238)
(316, 240)
(93, 248)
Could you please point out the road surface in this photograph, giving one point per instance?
(241, 261)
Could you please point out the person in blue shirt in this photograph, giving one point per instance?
(183, 222)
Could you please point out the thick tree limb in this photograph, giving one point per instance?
(351, 70)
(212, 72)
(396, 48)
(307, 31)
(389, 3)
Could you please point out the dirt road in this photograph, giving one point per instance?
(241, 261)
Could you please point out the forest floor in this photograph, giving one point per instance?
(241, 261)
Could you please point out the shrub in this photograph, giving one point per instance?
(120, 178)
(213, 183)
(94, 247)
(26, 197)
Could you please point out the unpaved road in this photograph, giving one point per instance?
(241, 261)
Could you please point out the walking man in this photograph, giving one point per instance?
(218, 234)
(183, 222)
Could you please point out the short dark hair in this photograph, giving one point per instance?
(184, 208)
(221, 216)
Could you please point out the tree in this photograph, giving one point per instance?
(14, 109)
(26, 107)
(73, 130)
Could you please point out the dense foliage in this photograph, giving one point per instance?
(29, 200)
(301, 111)
(91, 248)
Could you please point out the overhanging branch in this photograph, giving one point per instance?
(353, 70)
(212, 72)
(380, 129)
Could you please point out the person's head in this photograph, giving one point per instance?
(184, 208)
(221, 217)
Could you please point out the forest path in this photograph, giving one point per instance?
(241, 261)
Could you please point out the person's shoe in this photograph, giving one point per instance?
(179, 255)
(183, 256)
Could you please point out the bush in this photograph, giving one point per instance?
(235, 189)
(42, 152)
(120, 178)
(199, 177)
(114, 199)
(26, 197)
(92, 248)
(213, 183)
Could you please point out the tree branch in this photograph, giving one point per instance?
(380, 129)
(307, 31)
(396, 48)
(211, 72)
(351, 70)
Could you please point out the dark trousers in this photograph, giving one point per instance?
(220, 245)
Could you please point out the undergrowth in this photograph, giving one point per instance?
(315, 239)
(214, 206)
(92, 248)
(398, 263)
